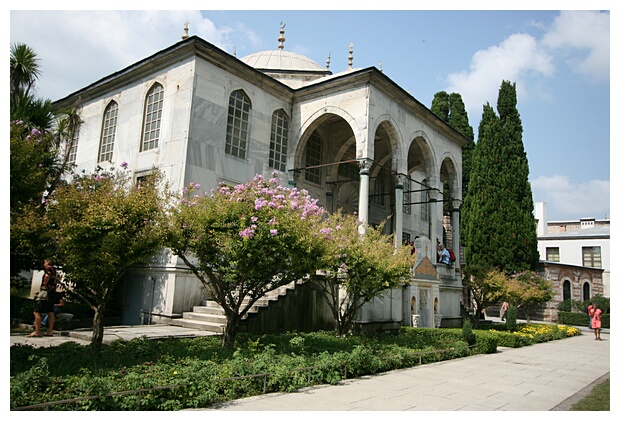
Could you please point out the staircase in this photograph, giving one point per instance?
(210, 315)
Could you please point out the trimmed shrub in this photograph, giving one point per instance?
(511, 318)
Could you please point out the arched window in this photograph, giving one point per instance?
(279, 140)
(71, 145)
(378, 196)
(586, 291)
(407, 196)
(152, 117)
(424, 201)
(108, 131)
(237, 129)
(566, 290)
(313, 158)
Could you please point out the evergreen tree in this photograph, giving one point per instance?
(499, 227)
(441, 105)
(451, 109)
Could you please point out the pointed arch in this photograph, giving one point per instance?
(153, 106)
(108, 132)
(238, 125)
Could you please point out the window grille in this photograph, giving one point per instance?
(152, 117)
(108, 132)
(237, 129)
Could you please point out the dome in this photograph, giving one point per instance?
(280, 60)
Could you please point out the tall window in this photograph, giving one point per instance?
(152, 117)
(586, 292)
(591, 256)
(279, 141)
(238, 124)
(424, 200)
(378, 196)
(72, 145)
(407, 196)
(313, 158)
(566, 291)
(553, 254)
(108, 131)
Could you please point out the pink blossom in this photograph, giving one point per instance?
(273, 232)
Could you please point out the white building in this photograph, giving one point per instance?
(354, 139)
(581, 243)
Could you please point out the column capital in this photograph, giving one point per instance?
(291, 177)
(364, 164)
(400, 180)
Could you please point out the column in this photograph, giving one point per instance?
(432, 222)
(291, 178)
(398, 210)
(364, 165)
(455, 220)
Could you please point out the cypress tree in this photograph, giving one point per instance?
(499, 227)
(451, 109)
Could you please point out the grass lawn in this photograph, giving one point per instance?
(597, 400)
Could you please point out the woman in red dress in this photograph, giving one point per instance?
(596, 313)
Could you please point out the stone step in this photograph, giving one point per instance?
(208, 309)
(205, 317)
(210, 316)
(200, 325)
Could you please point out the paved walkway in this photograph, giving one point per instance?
(541, 377)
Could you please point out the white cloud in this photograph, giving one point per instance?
(513, 59)
(573, 201)
(584, 39)
(110, 40)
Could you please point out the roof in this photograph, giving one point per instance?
(593, 232)
(281, 60)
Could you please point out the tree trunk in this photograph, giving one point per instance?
(97, 338)
(230, 332)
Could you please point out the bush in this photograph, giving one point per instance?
(191, 365)
(468, 334)
(486, 342)
(571, 305)
(511, 318)
(581, 319)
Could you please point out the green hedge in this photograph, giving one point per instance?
(580, 319)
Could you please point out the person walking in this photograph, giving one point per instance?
(502, 311)
(597, 323)
(45, 300)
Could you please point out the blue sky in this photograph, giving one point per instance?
(560, 61)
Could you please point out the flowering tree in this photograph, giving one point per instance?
(358, 267)
(104, 225)
(32, 156)
(486, 286)
(527, 290)
(244, 241)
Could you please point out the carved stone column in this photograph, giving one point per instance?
(455, 219)
(398, 206)
(364, 165)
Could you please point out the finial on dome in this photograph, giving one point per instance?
(281, 37)
(381, 66)
(351, 56)
(186, 29)
(235, 52)
(329, 56)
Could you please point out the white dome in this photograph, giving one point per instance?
(281, 60)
